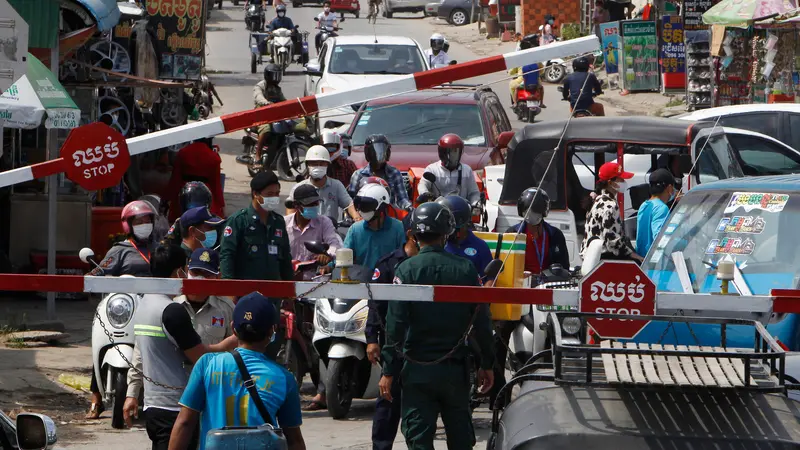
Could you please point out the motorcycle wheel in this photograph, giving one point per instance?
(253, 63)
(531, 115)
(250, 150)
(339, 387)
(120, 391)
(285, 170)
(357, 14)
(555, 73)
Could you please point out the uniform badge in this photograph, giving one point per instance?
(205, 257)
(171, 229)
(376, 274)
(107, 262)
(279, 233)
(469, 251)
(228, 231)
(397, 280)
(217, 321)
(254, 248)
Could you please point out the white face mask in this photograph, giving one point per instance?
(327, 10)
(195, 277)
(317, 173)
(143, 231)
(367, 215)
(622, 186)
(270, 203)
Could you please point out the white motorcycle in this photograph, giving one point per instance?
(282, 48)
(342, 345)
(112, 345)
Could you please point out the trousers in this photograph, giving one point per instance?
(387, 418)
(159, 423)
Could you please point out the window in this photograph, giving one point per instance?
(375, 59)
(421, 123)
(717, 159)
(794, 125)
(762, 157)
(764, 123)
(321, 58)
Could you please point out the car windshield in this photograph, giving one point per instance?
(421, 124)
(756, 229)
(376, 59)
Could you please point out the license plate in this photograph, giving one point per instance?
(533, 103)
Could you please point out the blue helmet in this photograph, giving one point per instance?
(462, 211)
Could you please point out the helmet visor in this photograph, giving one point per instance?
(380, 149)
(452, 158)
(365, 204)
(437, 44)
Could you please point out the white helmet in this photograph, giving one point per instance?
(318, 153)
(437, 41)
(332, 141)
(371, 199)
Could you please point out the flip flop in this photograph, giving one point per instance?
(315, 406)
(95, 411)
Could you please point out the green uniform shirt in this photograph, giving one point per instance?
(253, 251)
(431, 330)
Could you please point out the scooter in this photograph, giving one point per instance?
(292, 143)
(527, 105)
(112, 345)
(325, 32)
(282, 48)
(302, 57)
(254, 18)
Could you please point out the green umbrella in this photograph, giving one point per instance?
(741, 13)
(38, 92)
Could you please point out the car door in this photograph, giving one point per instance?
(768, 123)
(312, 82)
(759, 155)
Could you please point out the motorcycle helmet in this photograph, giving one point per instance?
(459, 206)
(273, 74)
(580, 64)
(437, 42)
(194, 194)
(373, 180)
(331, 141)
(371, 199)
(534, 202)
(281, 10)
(377, 150)
(451, 146)
(529, 41)
(446, 46)
(133, 209)
(318, 153)
(432, 218)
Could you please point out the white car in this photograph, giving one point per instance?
(349, 62)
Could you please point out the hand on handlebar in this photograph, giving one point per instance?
(323, 259)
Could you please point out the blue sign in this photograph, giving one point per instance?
(610, 35)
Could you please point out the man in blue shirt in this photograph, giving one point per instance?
(216, 396)
(530, 77)
(376, 235)
(581, 86)
(463, 241)
(654, 212)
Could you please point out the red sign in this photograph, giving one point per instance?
(95, 156)
(617, 287)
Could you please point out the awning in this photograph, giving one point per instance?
(38, 92)
(105, 12)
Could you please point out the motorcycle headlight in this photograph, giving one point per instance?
(571, 325)
(321, 320)
(119, 310)
(358, 322)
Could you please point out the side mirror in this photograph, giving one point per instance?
(453, 62)
(429, 176)
(316, 19)
(504, 139)
(492, 269)
(313, 69)
(426, 197)
(317, 248)
(86, 254)
(35, 431)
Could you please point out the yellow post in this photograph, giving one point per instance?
(512, 274)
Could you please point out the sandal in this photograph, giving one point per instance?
(315, 406)
(95, 411)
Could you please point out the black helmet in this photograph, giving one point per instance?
(541, 202)
(462, 211)
(529, 41)
(432, 218)
(377, 149)
(280, 8)
(194, 194)
(273, 73)
(580, 64)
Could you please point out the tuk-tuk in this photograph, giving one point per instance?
(641, 144)
(648, 396)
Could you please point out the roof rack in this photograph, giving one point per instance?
(656, 366)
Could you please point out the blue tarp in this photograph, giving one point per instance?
(105, 12)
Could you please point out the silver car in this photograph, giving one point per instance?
(404, 6)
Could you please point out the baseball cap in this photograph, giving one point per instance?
(256, 310)
(204, 259)
(661, 177)
(305, 194)
(611, 170)
(196, 216)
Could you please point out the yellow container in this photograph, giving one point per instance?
(512, 274)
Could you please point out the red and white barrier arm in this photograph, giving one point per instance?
(310, 105)
(781, 301)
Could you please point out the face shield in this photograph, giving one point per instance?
(379, 154)
(366, 207)
(437, 44)
(451, 158)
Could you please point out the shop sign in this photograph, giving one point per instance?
(609, 32)
(640, 55)
(180, 36)
(14, 41)
(693, 11)
(673, 50)
(95, 156)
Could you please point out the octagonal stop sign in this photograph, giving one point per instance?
(95, 156)
(617, 287)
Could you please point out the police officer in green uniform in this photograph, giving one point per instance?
(435, 373)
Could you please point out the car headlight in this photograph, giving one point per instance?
(571, 325)
(119, 310)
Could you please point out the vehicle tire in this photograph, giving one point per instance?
(338, 385)
(458, 17)
(297, 364)
(120, 392)
(554, 73)
(531, 116)
(357, 13)
(388, 14)
(235, 2)
(296, 4)
(253, 63)
(285, 171)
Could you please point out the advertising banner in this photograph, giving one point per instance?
(640, 55)
(673, 53)
(179, 26)
(610, 45)
(693, 11)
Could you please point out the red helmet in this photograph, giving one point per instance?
(135, 209)
(451, 146)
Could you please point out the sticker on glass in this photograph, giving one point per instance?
(742, 224)
(670, 228)
(337, 50)
(731, 246)
(755, 200)
(657, 255)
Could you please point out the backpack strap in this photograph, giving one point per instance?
(250, 385)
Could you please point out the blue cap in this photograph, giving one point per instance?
(255, 309)
(204, 259)
(196, 216)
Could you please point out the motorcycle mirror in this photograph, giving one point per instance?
(429, 176)
(316, 19)
(494, 267)
(86, 254)
(453, 62)
(426, 197)
(317, 248)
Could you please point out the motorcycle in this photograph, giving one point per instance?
(527, 104)
(203, 93)
(577, 113)
(282, 48)
(112, 345)
(254, 18)
(325, 32)
(297, 354)
(292, 143)
(302, 57)
(555, 71)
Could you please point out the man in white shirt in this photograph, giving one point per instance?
(333, 195)
(326, 18)
(452, 176)
(436, 55)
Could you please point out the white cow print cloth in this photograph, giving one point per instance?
(604, 222)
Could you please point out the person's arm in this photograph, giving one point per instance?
(193, 402)
(110, 265)
(616, 242)
(135, 375)
(396, 327)
(258, 96)
(399, 190)
(178, 325)
(287, 271)
(596, 85)
(290, 417)
(659, 218)
(473, 194)
(330, 237)
(372, 329)
(227, 251)
(424, 185)
(349, 240)
(565, 88)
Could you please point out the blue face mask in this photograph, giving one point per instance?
(345, 153)
(310, 212)
(272, 338)
(211, 239)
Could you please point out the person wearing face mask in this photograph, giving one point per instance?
(307, 225)
(452, 176)
(282, 21)
(255, 244)
(654, 212)
(604, 221)
(341, 168)
(463, 241)
(199, 229)
(326, 18)
(378, 234)
(545, 244)
(332, 193)
(378, 151)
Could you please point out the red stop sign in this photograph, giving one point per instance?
(617, 287)
(95, 156)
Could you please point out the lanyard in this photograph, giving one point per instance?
(145, 258)
(540, 254)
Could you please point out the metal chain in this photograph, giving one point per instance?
(675, 334)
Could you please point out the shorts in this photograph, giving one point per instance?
(265, 128)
